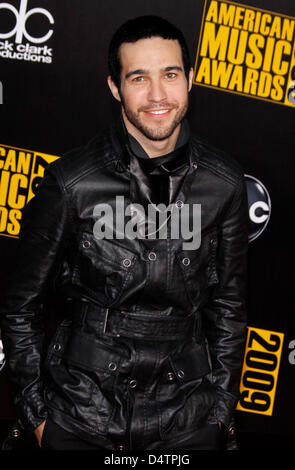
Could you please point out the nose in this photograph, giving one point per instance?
(157, 92)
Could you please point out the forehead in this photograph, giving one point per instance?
(150, 54)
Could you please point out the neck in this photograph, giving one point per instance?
(154, 148)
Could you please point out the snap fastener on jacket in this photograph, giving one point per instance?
(112, 366)
(152, 256)
(232, 431)
(86, 244)
(170, 376)
(132, 383)
(126, 262)
(180, 374)
(120, 447)
(213, 242)
(57, 347)
(15, 432)
(186, 261)
(195, 165)
(179, 204)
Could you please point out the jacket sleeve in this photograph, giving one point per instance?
(224, 316)
(41, 243)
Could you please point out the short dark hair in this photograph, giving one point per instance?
(143, 27)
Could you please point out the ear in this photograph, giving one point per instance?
(114, 89)
(190, 79)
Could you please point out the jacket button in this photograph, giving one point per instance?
(86, 244)
(112, 366)
(186, 261)
(57, 347)
(170, 376)
(15, 432)
(213, 242)
(232, 431)
(152, 256)
(179, 204)
(180, 374)
(132, 383)
(126, 262)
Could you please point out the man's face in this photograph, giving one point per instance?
(154, 89)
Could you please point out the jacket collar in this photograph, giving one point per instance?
(122, 148)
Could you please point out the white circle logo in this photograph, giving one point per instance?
(21, 17)
(259, 206)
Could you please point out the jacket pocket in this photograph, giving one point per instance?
(199, 267)
(185, 397)
(103, 268)
(83, 373)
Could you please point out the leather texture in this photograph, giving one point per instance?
(126, 366)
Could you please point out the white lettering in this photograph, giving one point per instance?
(20, 26)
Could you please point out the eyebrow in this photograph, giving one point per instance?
(146, 72)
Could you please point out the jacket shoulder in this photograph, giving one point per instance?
(79, 162)
(216, 161)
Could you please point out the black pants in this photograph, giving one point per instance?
(209, 437)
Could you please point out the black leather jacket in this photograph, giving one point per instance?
(150, 344)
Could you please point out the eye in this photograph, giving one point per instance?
(138, 79)
(171, 75)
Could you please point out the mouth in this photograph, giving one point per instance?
(158, 112)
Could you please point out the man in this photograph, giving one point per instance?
(149, 350)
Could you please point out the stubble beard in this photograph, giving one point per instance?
(157, 133)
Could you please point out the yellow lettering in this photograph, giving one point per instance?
(10, 163)
(212, 14)
(238, 17)
(13, 227)
(279, 66)
(264, 85)
(277, 92)
(237, 46)
(23, 164)
(251, 78)
(3, 218)
(257, 22)
(213, 44)
(226, 14)
(268, 54)
(249, 20)
(203, 75)
(15, 200)
(221, 72)
(237, 79)
(275, 29)
(254, 58)
(266, 18)
(288, 29)
(4, 183)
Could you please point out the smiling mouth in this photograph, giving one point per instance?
(157, 112)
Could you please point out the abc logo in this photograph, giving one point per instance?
(259, 206)
(21, 17)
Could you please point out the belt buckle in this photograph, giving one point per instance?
(105, 325)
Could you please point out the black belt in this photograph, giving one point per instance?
(115, 323)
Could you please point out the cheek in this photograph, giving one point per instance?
(180, 93)
(134, 98)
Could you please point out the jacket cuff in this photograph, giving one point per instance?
(225, 406)
(31, 410)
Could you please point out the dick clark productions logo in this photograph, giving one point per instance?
(17, 50)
